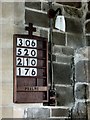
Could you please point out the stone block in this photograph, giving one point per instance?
(7, 76)
(33, 5)
(0, 76)
(79, 110)
(74, 40)
(81, 91)
(7, 59)
(88, 52)
(67, 50)
(7, 94)
(73, 25)
(18, 112)
(0, 10)
(44, 33)
(89, 95)
(60, 112)
(37, 33)
(83, 64)
(63, 50)
(88, 112)
(0, 94)
(57, 49)
(72, 4)
(62, 58)
(64, 96)
(0, 112)
(81, 71)
(82, 54)
(72, 12)
(58, 38)
(25, 106)
(36, 119)
(7, 112)
(61, 73)
(88, 40)
(36, 19)
(0, 36)
(1, 59)
(87, 27)
(19, 29)
(88, 71)
(19, 13)
(38, 113)
(8, 10)
(7, 35)
(45, 6)
(58, 118)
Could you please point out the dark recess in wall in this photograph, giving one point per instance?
(88, 16)
(89, 5)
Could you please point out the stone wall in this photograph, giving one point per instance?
(72, 96)
(11, 22)
(87, 36)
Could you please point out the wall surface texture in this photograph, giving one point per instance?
(71, 76)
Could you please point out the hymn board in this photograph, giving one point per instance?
(30, 68)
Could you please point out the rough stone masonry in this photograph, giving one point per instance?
(72, 94)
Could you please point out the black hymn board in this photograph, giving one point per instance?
(30, 68)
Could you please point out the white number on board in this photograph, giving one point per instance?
(19, 61)
(20, 42)
(33, 62)
(26, 52)
(19, 51)
(30, 62)
(33, 52)
(26, 71)
(33, 72)
(26, 42)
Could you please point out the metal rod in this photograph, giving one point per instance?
(86, 102)
(51, 46)
(73, 83)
